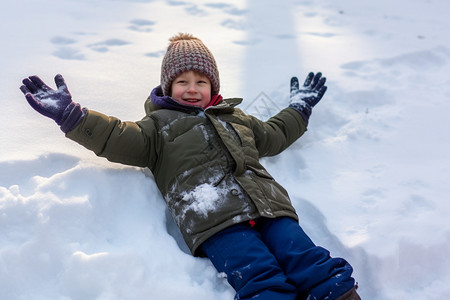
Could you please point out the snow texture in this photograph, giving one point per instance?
(206, 197)
(369, 178)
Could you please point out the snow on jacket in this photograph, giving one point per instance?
(205, 162)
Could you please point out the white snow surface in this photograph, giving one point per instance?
(370, 178)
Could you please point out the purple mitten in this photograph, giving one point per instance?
(305, 98)
(55, 104)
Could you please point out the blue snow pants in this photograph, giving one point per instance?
(277, 260)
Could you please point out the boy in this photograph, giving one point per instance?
(204, 154)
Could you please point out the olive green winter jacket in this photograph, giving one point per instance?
(205, 162)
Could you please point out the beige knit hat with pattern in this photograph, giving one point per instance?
(188, 53)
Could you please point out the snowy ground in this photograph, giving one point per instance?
(369, 179)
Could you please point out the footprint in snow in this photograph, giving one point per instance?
(69, 53)
(60, 40)
(233, 11)
(141, 25)
(322, 34)
(177, 3)
(248, 42)
(156, 54)
(64, 51)
(104, 45)
(190, 8)
(227, 8)
(285, 36)
(234, 24)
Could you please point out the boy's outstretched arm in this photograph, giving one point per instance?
(123, 142)
(304, 99)
(55, 104)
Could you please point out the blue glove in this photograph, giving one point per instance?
(55, 104)
(303, 100)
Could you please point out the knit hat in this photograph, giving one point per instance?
(188, 53)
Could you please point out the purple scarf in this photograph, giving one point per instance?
(168, 102)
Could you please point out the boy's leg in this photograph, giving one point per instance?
(251, 269)
(310, 267)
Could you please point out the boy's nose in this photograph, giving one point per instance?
(192, 89)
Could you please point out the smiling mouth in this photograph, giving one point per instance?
(191, 100)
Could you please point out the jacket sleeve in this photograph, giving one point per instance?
(123, 142)
(279, 132)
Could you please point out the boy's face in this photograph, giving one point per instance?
(192, 88)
